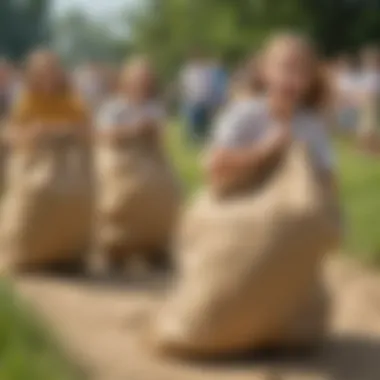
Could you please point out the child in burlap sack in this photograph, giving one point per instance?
(137, 118)
(46, 218)
(47, 100)
(251, 132)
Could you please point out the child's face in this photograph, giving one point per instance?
(47, 74)
(287, 71)
(138, 81)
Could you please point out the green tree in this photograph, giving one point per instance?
(23, 25)
(79, 38)
(344, 24)
(167, 29)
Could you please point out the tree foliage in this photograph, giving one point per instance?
(23, 24)
(168, 29)
(79, 38)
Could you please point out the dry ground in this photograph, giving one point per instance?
(100, 322)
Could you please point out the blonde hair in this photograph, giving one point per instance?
(317, 96)
(132, 64)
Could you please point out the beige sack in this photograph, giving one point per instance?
(249, 267)
(138, 196)
(47, 207)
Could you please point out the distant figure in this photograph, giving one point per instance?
(196, 87)
(244, 83)
(219, 84)
(47, 100)
(110, 80)
(6, 87)
(345, 89)
(89, 82)
(136, 105)
(369, 88)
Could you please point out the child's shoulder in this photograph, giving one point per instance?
(114, 104)
(245, 108)
(114, 101)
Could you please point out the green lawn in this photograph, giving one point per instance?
(360, 188)
(27, 351)
(359, 184)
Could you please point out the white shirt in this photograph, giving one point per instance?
(249, 120)
(90, 86)
(370, 82)
(347, 85)
(197, 82)
(119, 112)
(346, 81)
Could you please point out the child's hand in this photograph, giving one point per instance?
(226, 162)
(144, 125)
(279, 138)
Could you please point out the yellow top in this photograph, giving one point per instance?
(43, 109)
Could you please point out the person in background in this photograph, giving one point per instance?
(6, 87)
(89, 82)
(17, 83)
(251, 133)
(345, 77)
(369, 88)
(197, 89)
(346, 96)
(47, 100)
(136, 107)
(135, 111)
(243, 84)
(220, 85)
(110, 76)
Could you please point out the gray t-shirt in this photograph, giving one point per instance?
(120, 112)
(196, 81)
(247, 121)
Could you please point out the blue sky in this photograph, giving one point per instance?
(95, 8)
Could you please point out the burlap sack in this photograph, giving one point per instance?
(137, 195)
(47, 209)
(249, 267)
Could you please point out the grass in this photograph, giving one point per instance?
(359, 185)
(360, 189)
(27, 351)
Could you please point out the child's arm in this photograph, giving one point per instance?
(109, 125)
(242, 145)
(152, 123)
(228, 166)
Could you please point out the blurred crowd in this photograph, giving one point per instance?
(202, 87)
(284, 93)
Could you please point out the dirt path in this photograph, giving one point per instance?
(99, 322)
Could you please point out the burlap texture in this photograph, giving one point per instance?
(249, 267)
(47, 207)
(137, 195)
